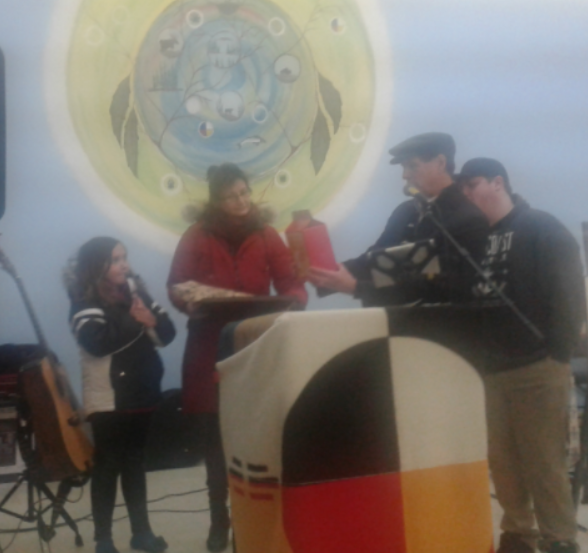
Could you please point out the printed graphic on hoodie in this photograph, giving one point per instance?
(495, 264)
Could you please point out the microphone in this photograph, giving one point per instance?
(420, 200)
(132, 284)
(410, 190)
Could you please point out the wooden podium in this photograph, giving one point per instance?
(357, 430)
(240, 308)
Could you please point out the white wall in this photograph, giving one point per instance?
(506, 79)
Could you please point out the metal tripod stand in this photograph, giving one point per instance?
(35, 481)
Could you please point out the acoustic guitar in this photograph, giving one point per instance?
(62, 449)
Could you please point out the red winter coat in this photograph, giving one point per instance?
(262, 259)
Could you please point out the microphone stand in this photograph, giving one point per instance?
(428, 213)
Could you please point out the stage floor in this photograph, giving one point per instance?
(184, 531)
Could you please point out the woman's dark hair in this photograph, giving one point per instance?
(221, 177)
(89, 267)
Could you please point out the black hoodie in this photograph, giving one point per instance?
(464, 222)
(536, 262)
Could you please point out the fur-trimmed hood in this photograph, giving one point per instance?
(194, 212)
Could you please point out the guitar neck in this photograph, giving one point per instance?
(7, 265)
(29, 307)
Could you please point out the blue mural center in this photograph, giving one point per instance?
(226, 81)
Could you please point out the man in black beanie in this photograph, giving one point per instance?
(428, 164)
(535, 261)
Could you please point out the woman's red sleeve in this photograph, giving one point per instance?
(282, 269)
(184, 266)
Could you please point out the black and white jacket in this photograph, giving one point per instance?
(121, 368)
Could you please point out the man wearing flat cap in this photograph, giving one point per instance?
(535, 261)
(428, 164)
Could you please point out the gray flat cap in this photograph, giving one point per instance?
(429, 144)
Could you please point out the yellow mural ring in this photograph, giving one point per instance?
(145, 95)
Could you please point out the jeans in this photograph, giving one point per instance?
(214, 458)
(119, 440)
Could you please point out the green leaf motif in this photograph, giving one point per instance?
(131, 142)
(332, 101)
(119, 107)
(320, 141)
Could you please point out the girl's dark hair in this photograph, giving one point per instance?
(89, 267)
(221, 177)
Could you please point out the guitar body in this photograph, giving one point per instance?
(62, 447)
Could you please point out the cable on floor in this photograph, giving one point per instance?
(88, 517)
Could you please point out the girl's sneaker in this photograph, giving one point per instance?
(105, 546)
(147, 541)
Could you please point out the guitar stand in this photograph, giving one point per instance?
(32, 477)
(40, 387)
(46, 531)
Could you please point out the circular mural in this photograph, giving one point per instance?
(157, 91)
(204, 95)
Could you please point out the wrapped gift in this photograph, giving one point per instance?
(310, 243)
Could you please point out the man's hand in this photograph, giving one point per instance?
(340, 281)
(141, 314)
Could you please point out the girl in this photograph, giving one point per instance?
(117, 327)
(229, 251)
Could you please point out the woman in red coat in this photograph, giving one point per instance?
(229, 251)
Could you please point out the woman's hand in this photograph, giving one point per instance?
(340, 281)
(141, 314)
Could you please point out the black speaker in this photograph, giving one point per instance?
(2, 139)
(175, 438)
